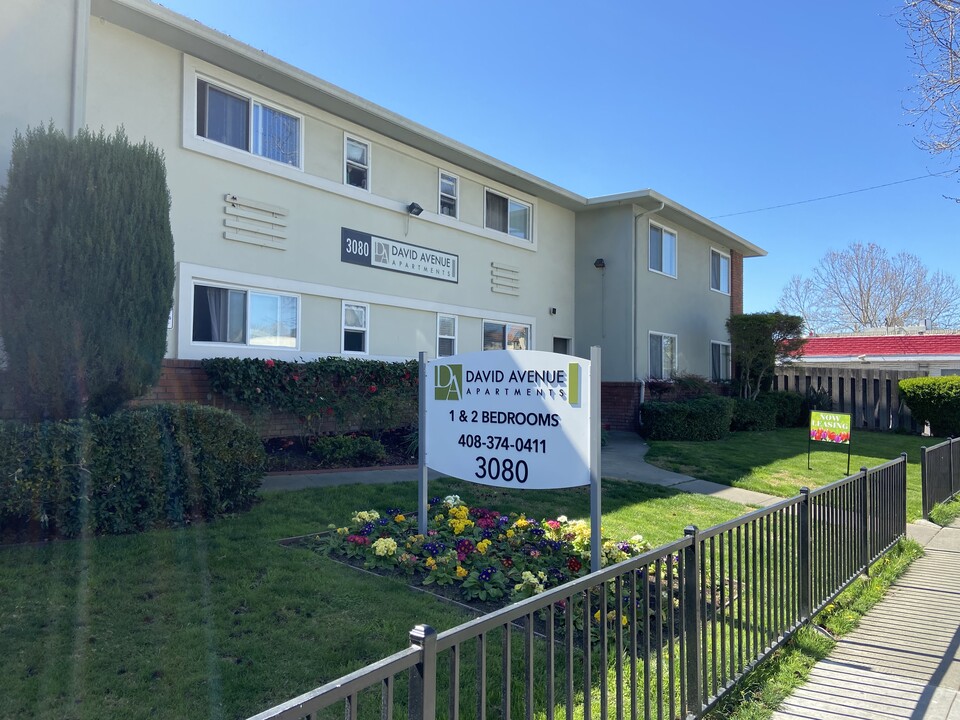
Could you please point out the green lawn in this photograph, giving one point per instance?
(775, 462)
(220, 621)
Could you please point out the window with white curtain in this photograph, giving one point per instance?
(449, 194)
(663, 250)
(246, 123)
(507, 215)
(244, 317)
(356, 317)
(356, 168)
(446, 335)
(663, 355)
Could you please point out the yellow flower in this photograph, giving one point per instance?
(483, 546)
(399, 518)
(431, 563)
(510, 533)
(461, 571)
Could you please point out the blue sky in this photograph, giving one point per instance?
(723, 107)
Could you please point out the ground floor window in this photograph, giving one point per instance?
(446, 335)
(505, 336)
(356, 319)
(244, 317)
(663, 355)
(719, 361)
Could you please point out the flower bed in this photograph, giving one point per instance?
(484, 554)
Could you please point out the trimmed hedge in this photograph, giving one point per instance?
(752, 415)
(789, 407)
(701, 419)
(166, 465)
(347, 451)
(935, 400)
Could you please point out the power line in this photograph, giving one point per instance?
(828, 197)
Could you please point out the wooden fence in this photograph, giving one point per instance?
(871, 396)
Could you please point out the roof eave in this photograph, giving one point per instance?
(673, 211)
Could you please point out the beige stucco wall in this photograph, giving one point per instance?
(610, 316)
(149, 88)
(36, 54)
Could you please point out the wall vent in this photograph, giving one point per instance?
(254, 222)
(504, 279)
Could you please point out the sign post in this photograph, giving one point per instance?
(832, 428)
(521, 419)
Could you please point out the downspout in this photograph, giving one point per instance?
(78, 90)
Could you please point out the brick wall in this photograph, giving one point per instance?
(619, 403)
(736, 283)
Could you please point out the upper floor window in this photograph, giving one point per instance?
(663, 250)
(356, 323)
(505, 336)
(663, 355)
(507, 215)
(244, 317)
(247, 124)
(356, 167)
(719, 361)
(446, 335)
(449, 193)
(719, 272)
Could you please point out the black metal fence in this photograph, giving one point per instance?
(662, 635)
(940, 473)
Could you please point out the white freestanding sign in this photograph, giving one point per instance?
(509, 418)
(523, 419)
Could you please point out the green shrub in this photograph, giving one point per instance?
(134, 470)
(752, 415)
(790, 411)
(935, 400)
(86, 271)
(367, 395)
(347, 451)
(701, 419)
(690, 386)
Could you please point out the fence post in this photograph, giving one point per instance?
(423, 677)
(692, 621)
(953, 482)
(865, 522)
(806, 588)
(924, 487)
(902, 520)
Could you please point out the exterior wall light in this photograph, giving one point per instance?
(414, 208)
(599, 264)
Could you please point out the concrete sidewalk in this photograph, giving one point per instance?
(621, 458)
(904, 659)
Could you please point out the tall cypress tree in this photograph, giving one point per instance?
(86, 271)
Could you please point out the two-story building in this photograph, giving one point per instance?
(309, 221)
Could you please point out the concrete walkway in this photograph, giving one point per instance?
(621, 458)
(904, 659)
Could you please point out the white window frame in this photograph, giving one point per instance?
(510, 199)
(440, 336)
(441, 194)
(247, 292)
(347, 139)
(723, 276)
(506, 332)
(676, 355)
(725, 373)
(252, 101)
(676, 242)
(344, 327)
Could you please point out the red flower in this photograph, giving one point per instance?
(372, 388)
(574, 565)
(269, 363)
(296, 378)
(329, 411)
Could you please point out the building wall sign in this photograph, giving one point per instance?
(360, 248)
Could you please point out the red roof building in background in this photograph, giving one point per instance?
(934, 353)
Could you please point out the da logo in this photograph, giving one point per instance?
(447, 382)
